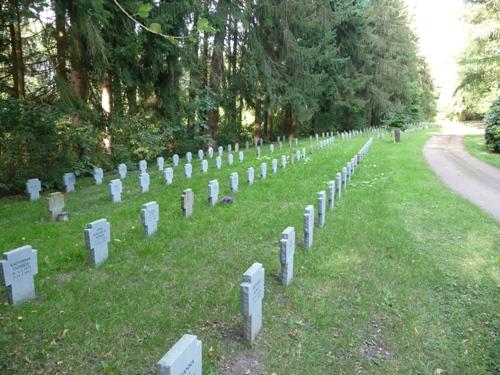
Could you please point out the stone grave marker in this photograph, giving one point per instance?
(17, 272)
(218, 162)
(220, 150)
(321, 208)
(344, 177)
(213, 192)
(189, 156)
(187, 202)
(297, 155)
(150, 214)
(115, 189)
(143, 166)
(144, 182)
(258, 151)
(33, 188)
(97, 237)
(283, 161)
(236, 147)
(122, 170)
(263, 171)
(331, 194)
(274, 166)
(271, 148)
(278, 139)
(229, 148)
(175, 160)
(303, 153)
(233, 182)
(184, 358)
(280, 145)
(56, 205)
(204, 165)
(241, 156)
(201, 154)
(98, 175)
(210, 152)
(188, 170)
(308, 226)
(338, 184)
(252, 294)
(287, 251)
(348, 171)
(69, 182)
(160, 162)
(230, 158)
(250, 175)
(168, 175)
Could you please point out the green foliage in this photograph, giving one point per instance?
(398, 117)
(492, 131)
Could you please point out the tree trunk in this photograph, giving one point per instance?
(17, 51)
(131, 99)
(61, 45)
(79, 74)
(106, 94)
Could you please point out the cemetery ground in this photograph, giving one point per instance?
(403, 278)
(476, 146)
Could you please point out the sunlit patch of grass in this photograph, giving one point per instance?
(476, 146)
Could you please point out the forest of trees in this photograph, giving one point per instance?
(97, 82)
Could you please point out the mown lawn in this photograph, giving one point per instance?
(476, 146)
(404, 278)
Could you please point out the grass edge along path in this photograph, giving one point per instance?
(475, 145)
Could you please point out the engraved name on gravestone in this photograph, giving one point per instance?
(143, 166)
(184, 358)
(97, 237)
(160, 162)
(338, 184)
(17, 271)
(200, 154)
(188, 170)
(144, 182)
(115, 189)
(168, 175)
(252, 294)
(187, 202)
(233, 182)
(241, 156)
(210, 152)
(204, 165)
(122, 170)
(213, 192)
(321, 208)
(230, 158)
(69, 181)
(218, 162)
(274, 166)
(263, 171)
(287, 251)
(283, 161)
(98, 175)
(150, 214)
(33, 188)
(250, 175)
(175, 160)
(55, 204)
(331, 194)
(189, 156)
(308, 226)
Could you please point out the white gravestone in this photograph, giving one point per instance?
(201, 154)
(187, 202)
(184, 358)
(210, 152)
(218, 162)
(321, 208)
(69, 182)
(160, 162)
(236, 147)
(303, 153)
(229, 148)
(98, 175)
(252, 294)
(188, 170)
(213, 192)
(17, 271)
(115, 189)
(241, 156)
(348, 171)
(175, 160)
(344, 177)
(283, 161)
(233, 182)
(143, 166)
(230, 159)
(250, 175)
(168, 175)
(263, 171)
(271, 148)
(97, 237)
(274, 166)
(308, 226)
(33, 188)
(258, 151)
(287, 251)
(220, 150)
(189, 156)
(150, 214)
(122, 170)
(280, 145)
(144, 182)
(297, 155)
(204, 165)
(56, 204)
(331, 195)
(338, 185)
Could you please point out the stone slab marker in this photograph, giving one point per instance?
(218, 162)
(236, 147)
(348, 171)
(258, 151)
(69, 182)
(344, 177)
(287, 251)
(143, 166)
(230, 159)
(263, 171)
(188, 170)
(150, 214)
(98, 175)
(271, 148)
(252, 294)
(17, 271)
(187, 202)
(97, 237)
(160, 162)
(297, 155)
(338, 184)
(204, 165)
(115, 189)
(144, 182)
(283, 161)
(308, 226)
(280, 146)
(331, 195)
(201, 154)
(189, 156)
(213, 192)
(56, 204)
(229, 148)
(220, 150)
(122, 170)
(274, 166)
(241, 156)
(184, 358)
(321, 208)
(210, 152)
(250, 175)
(175, 160)
(33, 188)
(303, 153)
(233, 182)
(168, 175)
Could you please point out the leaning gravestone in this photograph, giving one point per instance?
(230, 158)
(241, 156)
(213, 192)
(160, 162)
(69, 182)
(274, 166)
(338, 184)
(33, 188)
(56, 204)
(218, 162)
(150, 213)
(283, 161)
(321, 208)
(143, 166)
(188, 170)
(263, 171)
(144, 182)
(331, 194)
(189, 156)
(184, 358)
(168, 175)
(97, 237)
(187, 202)
(175, 160)
(201, 154)
(308, 226)
(204, 165)
(17, 271)
(115, 189)
(122, 170)
(98, 175)
(233, 182)
(250, 175)
(252, 294)
(287, 251)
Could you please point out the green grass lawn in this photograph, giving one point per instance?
(476, 146)
(404, 278)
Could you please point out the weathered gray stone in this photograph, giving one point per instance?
(175, 160)
(187, 202)
(280, 145)
(210, 152)
(115, 189)
(188, 170)
(321, 208)
(252, 294)
(338, 184)
(201, 154)
(160, 162)
(144, 182)
(229, 148)
(184, 358)
(258, 151)
(331, 195)
(274, 166)
(308, 226)
(69, 182)
(241, 156)
(17, 271)
(297, 155)
(348, 171)
(233, 182)
(218, 162)
(263, 171)
(98, 175)
(236, 147)
(287, 251)
(344, 178)
(220, 150)
(143, 166)
(122, 170)
(204, 165)
(189, 156)
(168, 175)
(55, 204)
(271, 148)
(150, 214)
(283, 161)
(230, 158)
(97, 237)
(250, 175)
(213, 192)
(33, 188)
